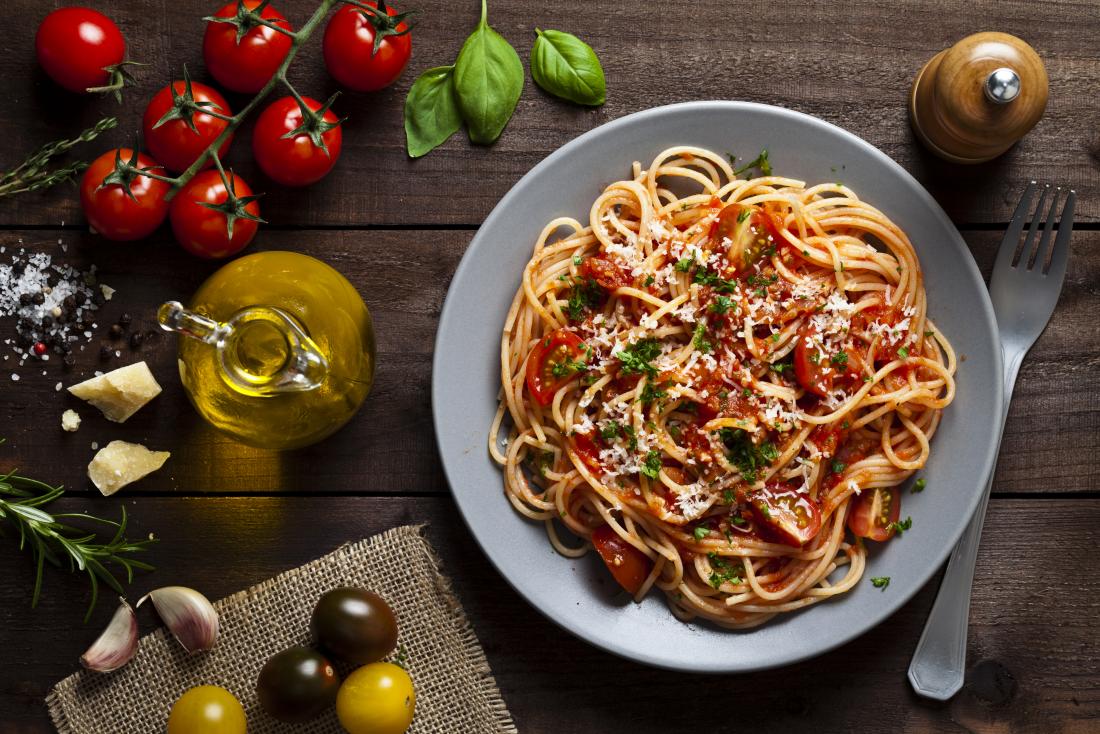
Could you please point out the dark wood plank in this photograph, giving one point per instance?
(1036, 597)
(852, 68)
(1053, 429)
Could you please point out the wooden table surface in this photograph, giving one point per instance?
(229, 516)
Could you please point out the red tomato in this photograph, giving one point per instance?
(204, 231)
(587, 451)
(173, 142)
(627, 564)
(606, 272)
(366, 52)
(110, 210)
(818, 373)
(750, 231)
(298, 160)
(875, 513)
(827, 438)
(553, 362)
(790, 516)
(247, 64)
(76, 46)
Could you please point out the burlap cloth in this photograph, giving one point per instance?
(455, 690)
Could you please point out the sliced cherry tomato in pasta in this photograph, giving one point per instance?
(588, 452)
(789, 516)
(876, 513)
(819, 373)
(627, 564)
(750, 233)
(605, 271)
(554, 361)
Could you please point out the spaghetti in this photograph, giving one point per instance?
(720, 384)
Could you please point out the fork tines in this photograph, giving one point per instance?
(1035, 247)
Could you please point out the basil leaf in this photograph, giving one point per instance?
(488, 80)
(431, 112)
(567, 67)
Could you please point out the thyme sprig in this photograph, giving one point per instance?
(51, 538)
(33, 174)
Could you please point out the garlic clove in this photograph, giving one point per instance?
(188, 614)
(116, 645)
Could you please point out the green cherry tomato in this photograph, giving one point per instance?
(207, 710)
(297, 684)
(376, 699)
(355, 625)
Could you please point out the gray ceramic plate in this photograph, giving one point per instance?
(579, 595)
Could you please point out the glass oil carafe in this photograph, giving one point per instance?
(277, 349)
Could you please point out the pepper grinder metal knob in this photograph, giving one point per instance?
(972, 102)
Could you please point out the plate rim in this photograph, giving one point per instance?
(986, 465)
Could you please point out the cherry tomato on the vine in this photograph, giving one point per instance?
(170, 138)
(306, 156)
(114, 213)
(364, 50)
(78, 46)
(209, 232)
(245, 65)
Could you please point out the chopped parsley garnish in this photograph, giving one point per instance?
(745, 455)
(780, 367)
(738, 520)
(761, 161)
(721, 305)
(632, 442)
(880, 582)
(919, 485)
(636, 358)
(727, 496)
(929, 333)
(839, 467)
(714, 280)
(577, 260)
(584, 295)
(700, 533)
(540, 462)
(840, 358)
(653, 392)
(652, 466)
(649, 281)
(903, 353)
(571, 366)
(700, 338)
(611, 431)
(682, 266)
(815, 357)
(723, 572)
(745, 214)
(901, 526)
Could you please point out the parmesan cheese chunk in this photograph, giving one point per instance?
(120, 463)
(121, 393)
(70, 421)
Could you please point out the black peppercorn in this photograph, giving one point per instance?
(124, 320)
(115, 331)
(136, 339)
(98, 298)
(18, 267)
(47, 321)
(69, 302)
(104, 351)
(69, 359)
(80, 297)
(38, 298)
(24, 299)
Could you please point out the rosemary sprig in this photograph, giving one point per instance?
(32, 174)
(51, 539)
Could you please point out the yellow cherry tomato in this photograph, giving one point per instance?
(207, 710)
(376, 699)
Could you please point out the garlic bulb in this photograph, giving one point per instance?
(188, 614)
(116, 645)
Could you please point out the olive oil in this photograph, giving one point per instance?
(280, 349)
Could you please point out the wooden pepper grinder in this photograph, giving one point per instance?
(973, 101)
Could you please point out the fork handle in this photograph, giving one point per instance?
(938, 667)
